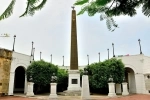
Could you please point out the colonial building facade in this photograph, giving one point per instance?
(13, 66)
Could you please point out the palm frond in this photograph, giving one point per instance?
(8, 12)
(111, 24)
(146, 7)
(30, 7)
(40, 6)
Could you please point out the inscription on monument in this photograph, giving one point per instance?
(147, 84)
(74, 81)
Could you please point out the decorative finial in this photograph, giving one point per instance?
(73, 7)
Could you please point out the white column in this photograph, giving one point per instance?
(125, 89)
(145, 91)
(30, 89)
(111, 90)
(85, 93)
(25, 84)
(118, 89)
(11, 84)
(53, 93)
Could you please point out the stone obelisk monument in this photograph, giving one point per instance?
(74, 75)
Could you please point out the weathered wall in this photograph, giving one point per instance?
(5, 63)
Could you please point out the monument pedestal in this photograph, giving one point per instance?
(118, 89)
(125, 89)
(30, 89)
(53, 94)
(85, 93)
(111, 90)
(74, 80)
(74, 88)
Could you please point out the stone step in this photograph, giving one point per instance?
(70, 93)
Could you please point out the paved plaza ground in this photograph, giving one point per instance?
(93, 97)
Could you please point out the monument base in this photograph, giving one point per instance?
(74, 88)
(74, 80)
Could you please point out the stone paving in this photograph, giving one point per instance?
(93, 97)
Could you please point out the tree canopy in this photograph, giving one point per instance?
(99, 73)
(110, 8)
(107, 9)
(41, 72)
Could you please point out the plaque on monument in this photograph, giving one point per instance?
(74, 81)
(147, 84)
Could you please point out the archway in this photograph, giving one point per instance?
(130, 78)
(19, 81)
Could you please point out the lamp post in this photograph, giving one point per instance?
(140, 46)
(108, 53)
(99, 56)
(63, 60)
(88, 59)
(113, 49)
(14, 42)
(32, 49)
(40, 55)
(33, 53)
(51, 58)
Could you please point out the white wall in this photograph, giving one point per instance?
(18, 59)
(140, 65)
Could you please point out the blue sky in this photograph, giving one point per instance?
(50, 30)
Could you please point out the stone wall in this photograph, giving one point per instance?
(5, 63)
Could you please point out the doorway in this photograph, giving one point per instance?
(130, 78)
(19, 81)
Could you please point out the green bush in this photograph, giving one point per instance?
(100, 72)
(62, 81)
(41, 73)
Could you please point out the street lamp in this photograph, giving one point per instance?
(88, 59)
(108, 53)
(113, 49)
(99, 56)
(32, 49)
(63, 60)
(33, 53)
(51, 58)
(14, 42)
(40, 55)
(140, 46)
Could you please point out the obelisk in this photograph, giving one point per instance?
(74, 75)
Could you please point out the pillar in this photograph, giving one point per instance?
(85, 92)
(11, 83)
(111, 90)
(25, 84)
(30, 89)
(118, 89)
(53, 93)
(125, 89)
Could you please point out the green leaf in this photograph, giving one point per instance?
(85, 8)
(80, 2)
(146, 8)
(9, 10)
(40, 6)
(102, 2)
